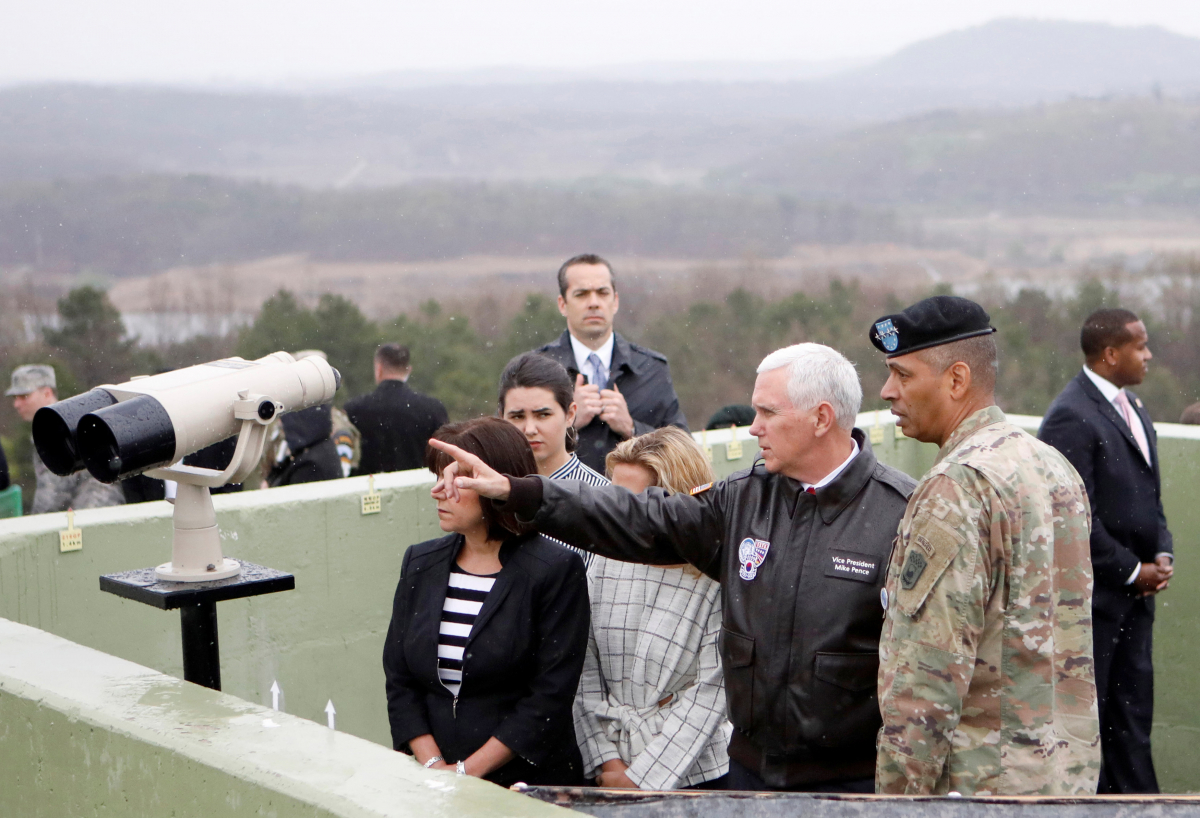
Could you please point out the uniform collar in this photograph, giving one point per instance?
(970, 425)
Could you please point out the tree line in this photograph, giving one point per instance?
(713, 345)
(121, 226)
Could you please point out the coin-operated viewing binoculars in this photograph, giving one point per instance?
(149, 424)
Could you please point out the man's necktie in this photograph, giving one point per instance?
(1139, 434)
(811, 490)
(597, 375)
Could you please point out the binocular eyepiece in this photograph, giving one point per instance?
(119, 431)
(54, 429)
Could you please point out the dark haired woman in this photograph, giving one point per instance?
(488, 634)
(536, 395)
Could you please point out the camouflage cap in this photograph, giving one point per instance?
(30, 377)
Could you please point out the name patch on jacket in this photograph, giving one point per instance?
(751, 554)
(848, 565)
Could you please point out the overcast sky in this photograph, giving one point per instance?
(171, 41)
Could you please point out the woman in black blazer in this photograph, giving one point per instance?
(517, 671)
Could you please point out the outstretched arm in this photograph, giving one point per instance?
(652, 527)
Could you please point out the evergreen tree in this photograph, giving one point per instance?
(91, 341)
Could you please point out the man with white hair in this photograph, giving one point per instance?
(800, 545)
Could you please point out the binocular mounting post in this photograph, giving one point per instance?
(196, 545)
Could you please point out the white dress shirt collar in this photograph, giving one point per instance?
(582, 352)
(833, 475)
(1110, 391)
(1107, 388)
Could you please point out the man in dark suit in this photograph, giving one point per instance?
(395, 422)
(621, 389)
(1107, 434)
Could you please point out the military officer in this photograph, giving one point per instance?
(986, 678)
(798, 542)
(34, 386)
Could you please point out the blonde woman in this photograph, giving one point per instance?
(650, 712)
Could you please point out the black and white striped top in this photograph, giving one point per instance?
(576, 469)
(465, 594)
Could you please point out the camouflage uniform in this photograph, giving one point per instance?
(986, 681)
(347, 439)
(78, 490)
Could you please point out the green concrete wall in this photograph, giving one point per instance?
(83, 733)
(323, 641)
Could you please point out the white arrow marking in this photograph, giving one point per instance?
(275, 695)
(330, 713)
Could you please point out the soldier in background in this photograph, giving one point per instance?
(318, 443)
(34, 386)
(986, 679)
(310, 454)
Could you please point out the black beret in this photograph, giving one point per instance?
(939, 320)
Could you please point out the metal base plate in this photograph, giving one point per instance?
(143, 586)
(227, 568)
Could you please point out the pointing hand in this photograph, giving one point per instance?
(469, 472)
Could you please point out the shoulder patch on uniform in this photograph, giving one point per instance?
(914, 566)
(931, 547)
(647, 351)
(701, 489)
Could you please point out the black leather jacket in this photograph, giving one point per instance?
(643, 377)
(800, 640)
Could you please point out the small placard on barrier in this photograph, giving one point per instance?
(877, 432)
(372, 502)
(70, 538)
(733, 449)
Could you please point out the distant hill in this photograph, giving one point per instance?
(1034, 60)
(358, 140)
(654, 123)
(1084, 155)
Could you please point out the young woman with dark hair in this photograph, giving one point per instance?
(536, 395)
(488, 633)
